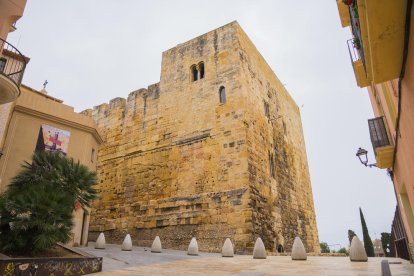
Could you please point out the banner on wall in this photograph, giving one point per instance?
(53, 139)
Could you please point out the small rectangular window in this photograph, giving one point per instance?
(266, 109)
(93, 155)
(3, 62)
(271, 165)
(222, 95)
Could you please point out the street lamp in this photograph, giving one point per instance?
(362, 154)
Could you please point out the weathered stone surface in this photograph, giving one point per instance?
(298, 250)
(357, 251)
(176, 161)
(193, 247)
(100, 241)
(156, 245)
(259, 251)
(127, 243)
(227, 250)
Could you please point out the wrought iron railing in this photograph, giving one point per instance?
(12, 62)
(378, 133)
(353, 52)
(356, 30)
(398, 237)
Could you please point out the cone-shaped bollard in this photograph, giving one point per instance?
(193, 247)
(156, 245)
(100, 241)
(227, 250)
(357, 251)
(127, 244)
(259, 251)
(298, 250)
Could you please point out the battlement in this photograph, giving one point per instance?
(133, 103)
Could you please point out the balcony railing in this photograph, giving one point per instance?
(12, 62)
(378, 133)
(381, 142)
(353, 51)
(356, 30)
(357, 64)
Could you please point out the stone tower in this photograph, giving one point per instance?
(214, 150)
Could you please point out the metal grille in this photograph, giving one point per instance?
(398, 237)
(15, 62)
(378, 133)
(356, 30)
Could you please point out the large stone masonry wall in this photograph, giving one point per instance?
(177, 163)
(282, 201)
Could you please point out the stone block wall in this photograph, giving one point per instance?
(178, 163)
(281, 193)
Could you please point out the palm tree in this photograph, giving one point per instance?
(36, 210)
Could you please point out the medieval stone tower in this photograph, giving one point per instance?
(214, 150)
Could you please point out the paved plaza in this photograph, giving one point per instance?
(140, 261)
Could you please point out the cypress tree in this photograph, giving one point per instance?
(386, 241)
(369, 247)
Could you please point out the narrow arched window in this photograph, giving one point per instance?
(194, 72)
(280, 249)
(201, 70)
(222, 94)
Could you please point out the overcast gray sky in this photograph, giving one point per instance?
(93, 51)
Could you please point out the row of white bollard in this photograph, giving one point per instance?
(127, 243)
(259, 251)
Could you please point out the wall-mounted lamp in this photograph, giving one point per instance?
(362, 154)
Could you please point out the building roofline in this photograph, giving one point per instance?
(42, 94)
(234, 22)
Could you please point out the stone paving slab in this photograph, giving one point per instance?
(141, 261)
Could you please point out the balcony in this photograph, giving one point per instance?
(379, 25)
(343, 13)
(383, 148)
(12, 66)
(357, 63)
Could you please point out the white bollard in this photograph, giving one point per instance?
(227, 250)
(127, 244)
(100, 241)
(156, 245)
(193, 247)
(298, 250)
(259, 251)
(357, 251)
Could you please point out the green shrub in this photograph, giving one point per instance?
(324, 247)
(36, 210)
(343, 250)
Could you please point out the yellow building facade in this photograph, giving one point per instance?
(30, 119)
(382, 55)
(36, 116)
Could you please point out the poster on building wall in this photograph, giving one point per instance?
(53, 139)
